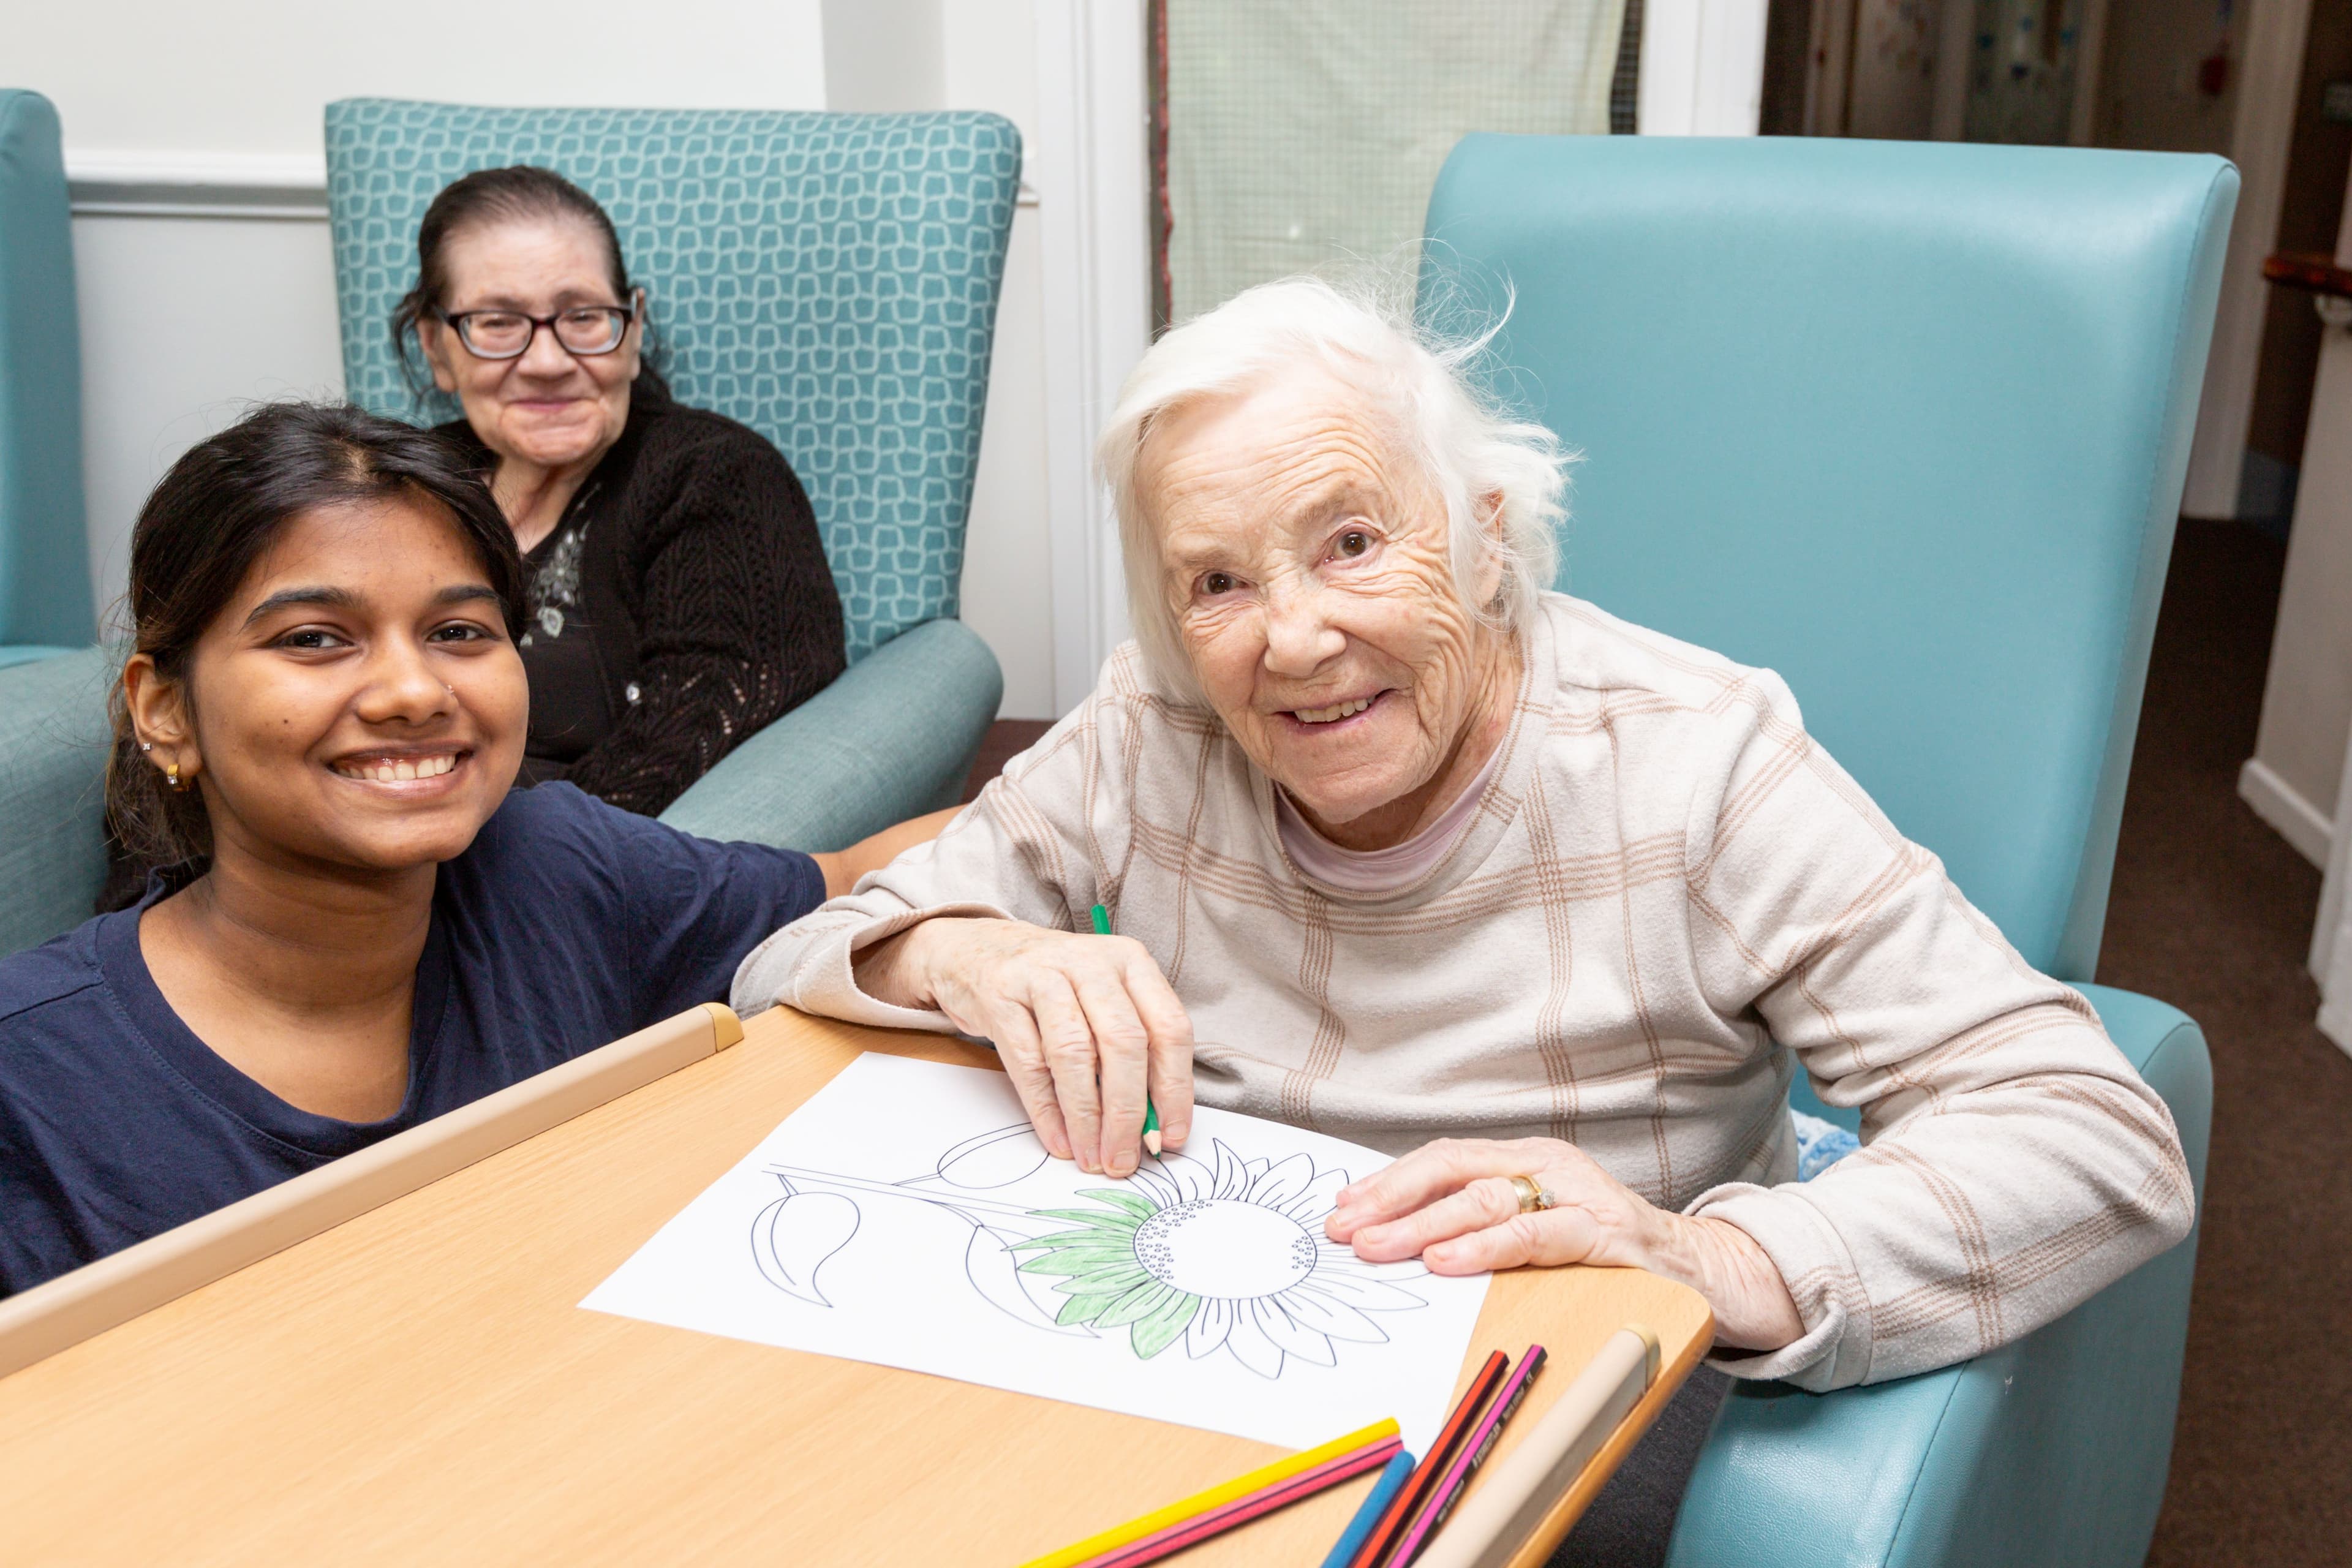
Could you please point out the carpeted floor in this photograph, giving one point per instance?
(2211, 911)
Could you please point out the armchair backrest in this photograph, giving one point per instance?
(1905, 422)
(828, 279)
(44, 538)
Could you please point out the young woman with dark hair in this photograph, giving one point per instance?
(678, 595)
(358, 924)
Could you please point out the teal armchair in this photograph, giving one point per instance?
(45, 598)
(1908, 424)
(831, 282)
(53, 746)
(52, 682)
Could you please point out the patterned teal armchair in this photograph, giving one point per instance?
(831, 282)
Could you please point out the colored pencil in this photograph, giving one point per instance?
(1216, 1521)
(1449, 1490)
(1241, 1486)
(1151, 1112)
(1367, 1513)
(1520, 1490)
(1450, 1437)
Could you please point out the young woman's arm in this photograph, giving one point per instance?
(842, 868)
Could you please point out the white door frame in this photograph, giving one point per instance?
(1702, 68)
(2269, 77)
(1094, 198)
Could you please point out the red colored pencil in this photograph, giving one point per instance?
(1474, 1454)
(1409, 1497)
(1240, 1510)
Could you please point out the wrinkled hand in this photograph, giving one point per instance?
(1452, 1205)
(1083, 1024)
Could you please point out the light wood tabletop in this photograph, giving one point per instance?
(419, 1384)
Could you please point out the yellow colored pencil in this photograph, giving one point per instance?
(1215, 1496)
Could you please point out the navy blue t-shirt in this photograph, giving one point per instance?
(565, 925)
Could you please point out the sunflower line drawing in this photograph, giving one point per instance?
(1224, 1254)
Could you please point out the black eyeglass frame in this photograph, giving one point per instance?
(629, 314)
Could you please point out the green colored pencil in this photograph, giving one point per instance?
(1151, 1112)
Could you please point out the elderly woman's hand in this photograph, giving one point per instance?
(1083, 1023)
(1453, 1204)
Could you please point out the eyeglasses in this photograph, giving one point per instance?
(508, 334)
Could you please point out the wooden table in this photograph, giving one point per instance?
(419, 1385)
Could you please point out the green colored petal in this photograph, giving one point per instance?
(1074, 1260)
(1102, 1241)
(1097, 1237)
(1141, 1208)
(1137, 1304)
(1102, 1282)
(1095, 1241)
(1151, 1335)
(1094, 1217)
(1082, 1309)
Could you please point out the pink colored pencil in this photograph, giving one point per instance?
(1474, 1453)
(1241, 1509)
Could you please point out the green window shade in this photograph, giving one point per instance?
(1311, 131)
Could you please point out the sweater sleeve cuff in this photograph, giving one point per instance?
(1835, 1350)
(810, 965)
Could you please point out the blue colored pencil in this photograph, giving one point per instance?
(1400, 1470)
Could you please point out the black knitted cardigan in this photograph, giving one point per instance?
(707, 591)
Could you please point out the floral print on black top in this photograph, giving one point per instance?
(571, 699)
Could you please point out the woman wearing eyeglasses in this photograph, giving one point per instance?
(677, 594)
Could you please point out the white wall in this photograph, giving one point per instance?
(2295, 780)
(893, 55)
(192, 137)
(886, 57)
(185, 323)
(2295, 777)
(251, 76)
(991, 63)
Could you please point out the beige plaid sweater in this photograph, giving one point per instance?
(1668, 897)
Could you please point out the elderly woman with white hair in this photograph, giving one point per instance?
(1406, 848)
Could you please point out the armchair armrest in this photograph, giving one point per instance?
(28, 653)
(53, 745)
(893, 738)
(2051, 1450)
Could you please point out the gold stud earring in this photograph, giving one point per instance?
(172, 777)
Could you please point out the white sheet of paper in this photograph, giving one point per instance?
(890, 1218)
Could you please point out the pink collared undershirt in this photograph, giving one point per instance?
(1373, 872)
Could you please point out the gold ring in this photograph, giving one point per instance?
(1533, 1199)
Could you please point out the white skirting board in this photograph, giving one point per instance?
(2331, 943)
(2336, 990)
(2297, 821)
